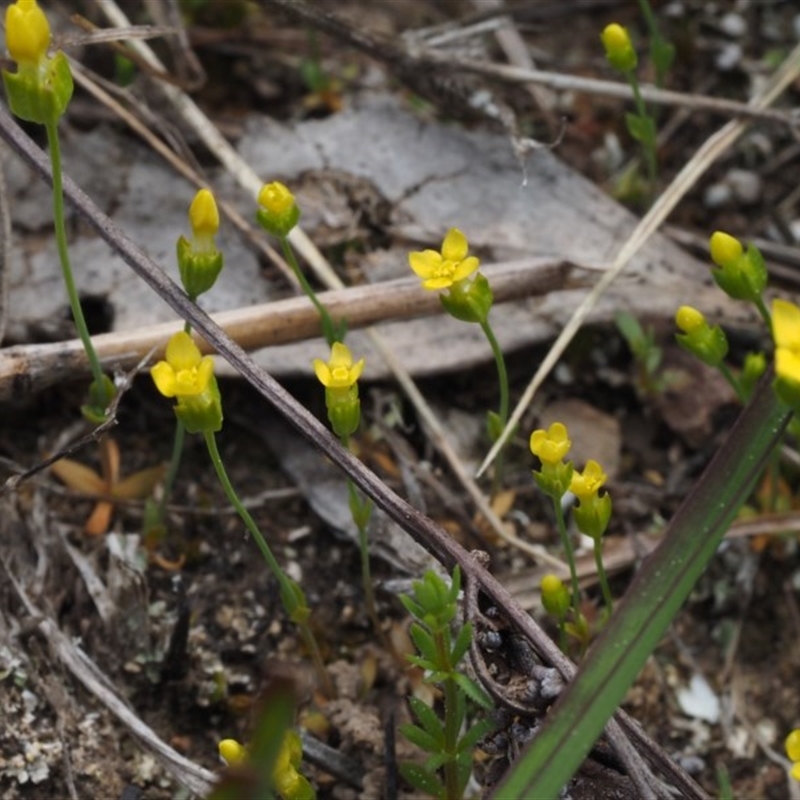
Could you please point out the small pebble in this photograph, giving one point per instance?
(728, 57)
(733, 25)
(746, 185)
(717, 195)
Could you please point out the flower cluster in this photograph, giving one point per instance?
(287, 780)
(41, 88)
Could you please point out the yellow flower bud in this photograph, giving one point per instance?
(725, 249)
(27, 32)
(619, 50)
(203, 215)
(231, 752)
(689, 319)
(278, 212)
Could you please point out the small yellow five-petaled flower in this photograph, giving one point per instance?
(440, 270)
(185, 372)
(188, 376)
(339, 372)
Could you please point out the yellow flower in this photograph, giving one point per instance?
(619, 50)
(793, 751)
(185, 373)
(551, 445)
(231, 752)
(588, 484)
(725, 249)
(27, 32)
(786, 331)
(451, 265)
(340, 372)
(276, 198)
(203, 215)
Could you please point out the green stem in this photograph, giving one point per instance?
(451, 722)
(649, 146)
(63, 255)
(731, 379)
(286, 584)
(764, 311)
(329, 329)
(174, 465)
(601, 574)
(570, 554)
(502, 380)
(363, 544)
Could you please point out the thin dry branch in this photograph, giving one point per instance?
(30, 368)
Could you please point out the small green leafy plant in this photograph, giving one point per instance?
(442, 644)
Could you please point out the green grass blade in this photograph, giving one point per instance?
(654, 597)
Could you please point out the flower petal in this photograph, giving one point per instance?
(455, 246)
(340, 356)
(786, 324)
(322, 372)
(182, 352)
(465, 268)
(787, 364)
(425, 263)
(434, 284)
(164, 378)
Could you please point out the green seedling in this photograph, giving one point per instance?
(442, 644)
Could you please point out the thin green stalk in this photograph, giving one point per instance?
(731, 379)
(63, 255)
(329, 328)
(287, 587)
(363, 544)
(451, 722)
(648, 146)
(764, 311)
(174, 466)
(570, 554)
(502, 379)
(601, 574)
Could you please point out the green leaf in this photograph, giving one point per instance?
(461, 644)
(421, 779)
(473, 691)
(424, 643)
(427, 718)
(475, 733)
(642, 129)
(656, 594)
(420, 738)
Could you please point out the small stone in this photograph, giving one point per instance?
(733, 25)
(728, 57)
(745, 184)
(717, 195)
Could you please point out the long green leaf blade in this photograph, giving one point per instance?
(654, 597)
